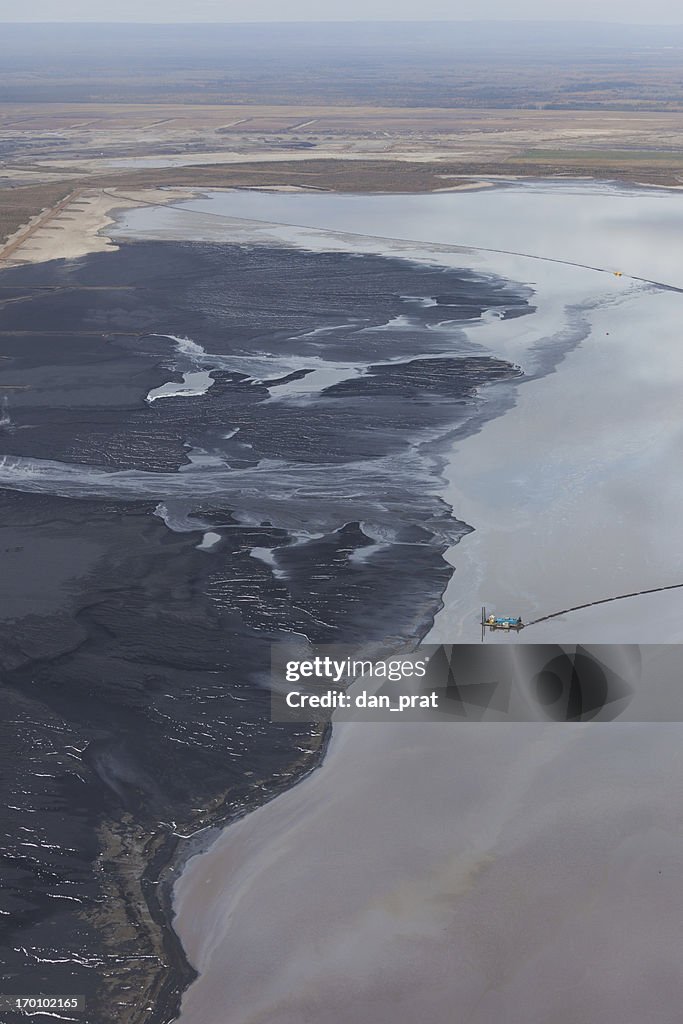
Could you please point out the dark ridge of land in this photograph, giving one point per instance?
(376, 176)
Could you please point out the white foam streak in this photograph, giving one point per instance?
(186, 347)
(294, 496)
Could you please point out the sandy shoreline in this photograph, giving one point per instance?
(77, 225)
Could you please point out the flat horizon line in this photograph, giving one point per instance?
(367, 21)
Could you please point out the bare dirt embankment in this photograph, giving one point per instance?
(75, 225)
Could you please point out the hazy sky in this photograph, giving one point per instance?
(655, 11)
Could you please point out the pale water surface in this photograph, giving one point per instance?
(574, 495)
(471, 873)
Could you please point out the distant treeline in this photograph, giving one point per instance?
(468, 64)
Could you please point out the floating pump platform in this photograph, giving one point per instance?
(506, 622)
